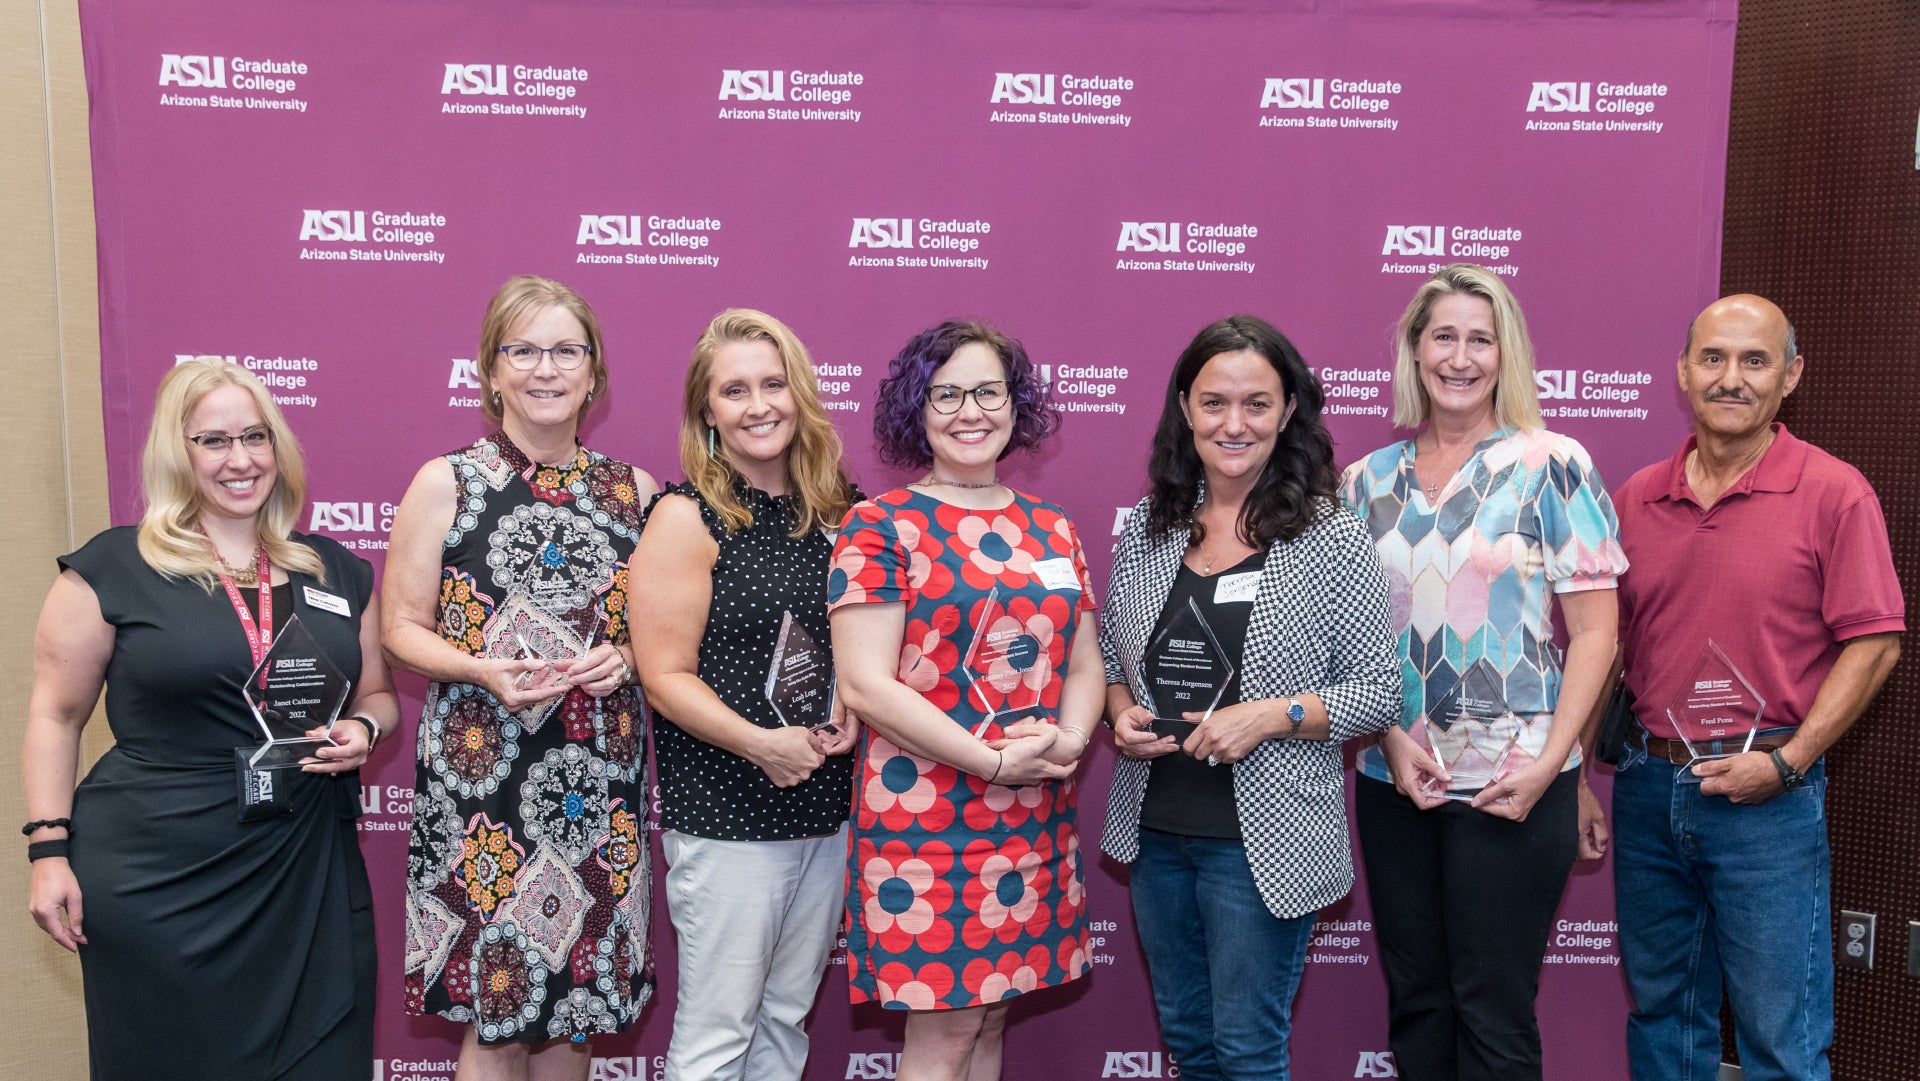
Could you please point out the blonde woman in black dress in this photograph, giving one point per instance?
(210, 946)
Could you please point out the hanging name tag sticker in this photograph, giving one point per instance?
(1236, 588)
(327, 601)
(1056, 573)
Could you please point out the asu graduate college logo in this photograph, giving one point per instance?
(790, 94)
(333, 226)
(193, 72)
(871, 1066)
(741, 85)
(411, 236)
(231, 82)
(1556, 384)
(1415, 240)
(663, 240)
(1010, 88)
(1328, 103)
(1375, 1064)
(482, 79)
(1040, 97)
(1294, 94)
(1149, 236)
(1486, 244)
(881, 233)
(1635, 99)
(1560, 98)
(1139, 1064)
(548, 90)
(363, 525)
(627, 1068)
(938, 242)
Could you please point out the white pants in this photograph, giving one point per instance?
(757, 921)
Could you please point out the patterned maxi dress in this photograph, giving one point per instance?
(528, 885)
(964, 893)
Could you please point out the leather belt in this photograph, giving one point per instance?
(1677, 752)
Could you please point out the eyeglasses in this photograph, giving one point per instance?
(566, 356)
(947, 398)
(218, 443)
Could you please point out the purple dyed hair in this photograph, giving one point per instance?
(899, 417)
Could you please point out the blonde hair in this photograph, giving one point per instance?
(814, 468)
(517, 302)
(170, 539)
(1516, 401)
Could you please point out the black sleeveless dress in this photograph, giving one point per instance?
(528, 883)
(216, 948)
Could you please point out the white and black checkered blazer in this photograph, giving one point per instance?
(1319, 623)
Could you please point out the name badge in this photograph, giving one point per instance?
(327, 601)
(1057, 573)
(1236, 588)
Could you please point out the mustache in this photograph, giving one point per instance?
(1740, 396)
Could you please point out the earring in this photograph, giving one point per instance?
(589, 397)
(709, 440)
(496, 399)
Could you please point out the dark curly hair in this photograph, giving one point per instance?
(1298, 480)
(899, 417)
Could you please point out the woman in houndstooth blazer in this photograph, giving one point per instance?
(1236, 825)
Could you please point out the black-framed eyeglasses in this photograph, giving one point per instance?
(566, 356)
(947, 398)
(217, 443)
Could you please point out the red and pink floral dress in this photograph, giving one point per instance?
(961, 892)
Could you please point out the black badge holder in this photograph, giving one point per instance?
(264, 793)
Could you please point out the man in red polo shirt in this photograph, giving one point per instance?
(1775, 552)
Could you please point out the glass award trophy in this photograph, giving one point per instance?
(1471, 732)
(1721, 712)
(1006, 668)
(523, 628)
(1187, 671)
(294, 688)
(800, 680)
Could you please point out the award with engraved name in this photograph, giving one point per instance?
(294, 688)
(1471, 732)
(800, 680)
(1007, 667)
(523, 628)
(1187, 668)
(1721, 710)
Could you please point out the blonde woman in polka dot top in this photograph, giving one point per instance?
(754, 810)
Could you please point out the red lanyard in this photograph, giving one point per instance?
(259, 634)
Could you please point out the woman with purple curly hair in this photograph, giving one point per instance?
(956, 605)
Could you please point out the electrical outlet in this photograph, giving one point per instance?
(1856, 939)
(1913, 947)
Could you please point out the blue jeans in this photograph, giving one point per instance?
(1224, 969)
(1714, 895)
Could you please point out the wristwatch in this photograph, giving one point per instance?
(1295, 714)
(1790, 778)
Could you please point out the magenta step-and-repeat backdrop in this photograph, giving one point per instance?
(328, 192)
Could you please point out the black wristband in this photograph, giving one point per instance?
(40, 850)
(373, 728)
(1790, 778)
(47, 823)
